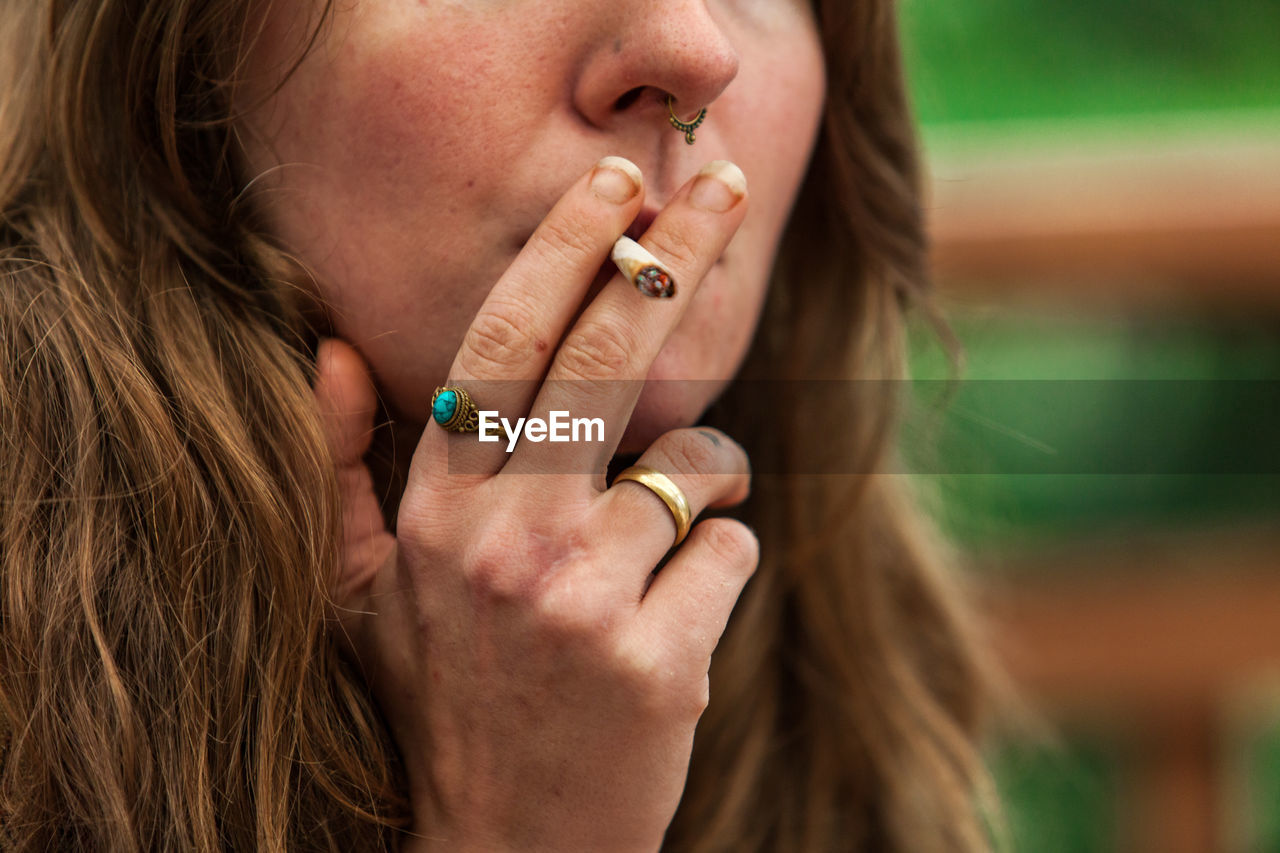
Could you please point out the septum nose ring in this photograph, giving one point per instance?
(685, 127)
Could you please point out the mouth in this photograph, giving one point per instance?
(635, 230)
(641, 223)
(607, 270)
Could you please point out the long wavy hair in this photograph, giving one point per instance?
(169, 516)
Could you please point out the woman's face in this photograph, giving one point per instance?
(415, 149)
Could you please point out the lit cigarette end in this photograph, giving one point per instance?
(643, 269)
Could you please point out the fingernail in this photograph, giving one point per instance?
(616, 180)
(719, 187)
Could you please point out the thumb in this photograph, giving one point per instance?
(347, 401)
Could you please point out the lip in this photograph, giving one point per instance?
(635, 230)
(603, 276)
(607, 271)
(641, 223)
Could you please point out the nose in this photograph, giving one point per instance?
(653, 50)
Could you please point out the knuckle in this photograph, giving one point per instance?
(417, 537)
(559, 242)
(500, 339)
(572, 612)
(597, 352)
(678, 248)
(660, 686)
(731, 543)
(493, 581)
(494, 573)
(691, 453)
(537, 566)
(694, 698)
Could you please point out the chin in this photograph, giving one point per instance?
(671, 399)
(666, 405)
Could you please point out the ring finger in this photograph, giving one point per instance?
(707, 467)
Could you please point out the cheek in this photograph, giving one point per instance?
(714, 333)
(404, 125)
(767, 121)
(696, 363)
(382, 170)
(406, 117)
(772, 110)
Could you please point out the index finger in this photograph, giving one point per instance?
(512, 338)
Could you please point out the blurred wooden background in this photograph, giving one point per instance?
(1156, 637)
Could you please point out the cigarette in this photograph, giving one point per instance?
(643, 269)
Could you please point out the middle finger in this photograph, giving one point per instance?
(507, 347)
(599, 369)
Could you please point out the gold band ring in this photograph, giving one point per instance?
(662, 486)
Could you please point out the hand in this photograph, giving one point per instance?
(542, 684)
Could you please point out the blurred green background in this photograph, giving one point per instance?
(1142, 63)
(984, 60)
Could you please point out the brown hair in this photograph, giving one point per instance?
(168, 510)
(851, 689)
(164, 687)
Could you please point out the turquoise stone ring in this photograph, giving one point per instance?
(453, 409)
(446, 403)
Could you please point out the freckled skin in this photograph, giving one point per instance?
(507, 625)
(418, 146)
